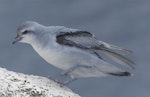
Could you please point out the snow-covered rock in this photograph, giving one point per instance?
(14, 84)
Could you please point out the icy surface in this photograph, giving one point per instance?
(14, 84)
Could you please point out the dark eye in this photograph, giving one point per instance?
(25, 32)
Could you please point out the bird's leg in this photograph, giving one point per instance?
(55, 80)
(66, 72)
(66, 82)
(71, 80)
(72, 68)
(63, 83)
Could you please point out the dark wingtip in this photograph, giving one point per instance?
(126, 73)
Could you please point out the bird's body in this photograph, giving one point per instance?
(64, 57)
(74, 51)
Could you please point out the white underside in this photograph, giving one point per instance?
(64, 57)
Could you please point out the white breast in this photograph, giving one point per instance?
(58, 57)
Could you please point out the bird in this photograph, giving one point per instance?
(76, 52)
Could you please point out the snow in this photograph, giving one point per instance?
(14, 84)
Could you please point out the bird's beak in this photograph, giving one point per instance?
(17, 38)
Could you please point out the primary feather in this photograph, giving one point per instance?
(85, 40)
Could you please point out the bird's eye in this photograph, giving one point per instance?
(25, 32)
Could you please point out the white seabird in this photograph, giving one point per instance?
(74, 51)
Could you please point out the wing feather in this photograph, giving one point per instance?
(86, 40)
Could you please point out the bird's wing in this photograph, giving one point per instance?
(86, 40)
(80, 39)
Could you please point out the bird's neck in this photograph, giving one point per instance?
(44, 43)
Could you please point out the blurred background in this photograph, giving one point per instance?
(122, 22)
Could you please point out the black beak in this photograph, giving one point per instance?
(17, 38)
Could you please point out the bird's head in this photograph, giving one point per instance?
(27, 32)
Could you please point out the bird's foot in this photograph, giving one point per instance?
(57, 81)
(64, 73)
(69, 81)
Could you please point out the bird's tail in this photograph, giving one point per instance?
(109, 50)
(109, 69)
(118, 58)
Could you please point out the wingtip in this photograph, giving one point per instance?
(126, 73)
(120, 48)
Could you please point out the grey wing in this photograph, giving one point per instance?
(86, 40)
(80, 39)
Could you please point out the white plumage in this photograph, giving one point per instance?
(72, 50)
